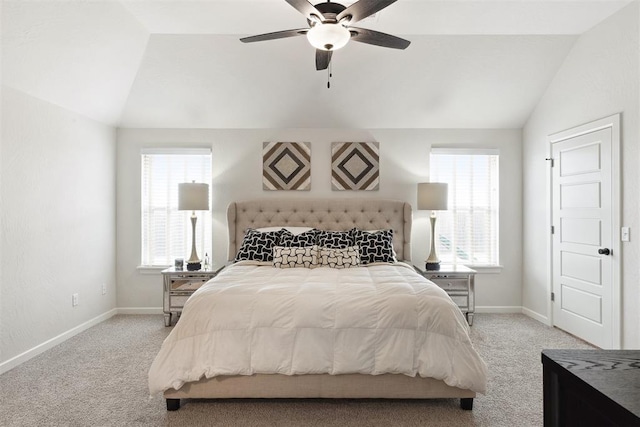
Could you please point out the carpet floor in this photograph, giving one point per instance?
(99, 378)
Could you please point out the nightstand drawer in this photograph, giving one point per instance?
(461, 301)
(451, 284)
(190, 284)
(178, 301)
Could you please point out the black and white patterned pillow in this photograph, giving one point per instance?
(339, 257)
(335, 239)
(308, 238)
(292, 257)
(257, 246)
(375, 246)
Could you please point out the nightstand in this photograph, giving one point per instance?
(179, 285)
(459, 282)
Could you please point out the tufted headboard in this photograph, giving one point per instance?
(324, 214)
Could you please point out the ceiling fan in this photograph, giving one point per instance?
(330, 28)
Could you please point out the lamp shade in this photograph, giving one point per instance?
(328, 36)
(432, 196)
(193, 196)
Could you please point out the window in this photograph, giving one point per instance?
(467, 233)
(166, 231)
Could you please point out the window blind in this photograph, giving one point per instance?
(467, 233)
(166, 231)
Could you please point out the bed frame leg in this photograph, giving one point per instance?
(173, 404)
(466, 403)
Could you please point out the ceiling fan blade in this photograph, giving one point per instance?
(377, 38)
(363, 8)
(275, 35)
(307, 9)
(323, 58)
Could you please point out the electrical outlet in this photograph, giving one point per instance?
(104, 289)
(74, 300)
(624, 234)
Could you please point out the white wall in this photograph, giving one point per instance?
(599, 77)
(237, 175)
(58, 223)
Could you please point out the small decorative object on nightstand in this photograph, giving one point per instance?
(179, 285)
(459, 283)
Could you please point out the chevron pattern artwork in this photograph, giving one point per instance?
(355, 166)
(286, 166)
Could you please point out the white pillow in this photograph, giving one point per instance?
(339, 258)
(292, 230)
(292, 257)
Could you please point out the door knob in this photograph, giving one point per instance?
(604, 251)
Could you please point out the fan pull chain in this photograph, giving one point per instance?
(329, 75)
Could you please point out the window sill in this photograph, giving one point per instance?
(486, 269)
(151, 269)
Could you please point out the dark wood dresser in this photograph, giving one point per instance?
(591, 387)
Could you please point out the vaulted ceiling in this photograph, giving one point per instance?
(179, 64)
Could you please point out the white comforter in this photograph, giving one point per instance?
(371, 320)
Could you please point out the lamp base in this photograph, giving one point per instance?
(432, 266)
(193, 266)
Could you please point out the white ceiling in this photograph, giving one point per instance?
(471, 64)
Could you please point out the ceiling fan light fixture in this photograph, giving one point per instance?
(328, 36)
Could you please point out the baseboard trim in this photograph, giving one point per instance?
(41, 348)
(140, 310)
(537, 316)
(498, 309)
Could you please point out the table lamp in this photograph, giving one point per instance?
(432, 196)
(193, 196)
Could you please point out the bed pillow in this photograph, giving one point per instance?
(339, 257)
(335, 239)
(295, 257)
(257, 246)
(375, 246)
(307, 238)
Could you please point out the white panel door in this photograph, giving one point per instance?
(583, 241)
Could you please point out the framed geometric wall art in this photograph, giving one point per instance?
(355, 166)
(286, 166)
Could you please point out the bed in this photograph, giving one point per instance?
(183, 370)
